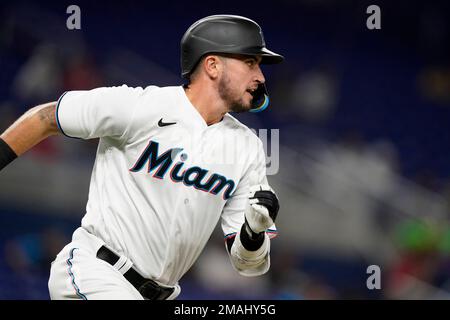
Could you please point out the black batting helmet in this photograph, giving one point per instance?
(223, 34)
(226, 34)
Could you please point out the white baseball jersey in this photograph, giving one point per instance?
(162, 177)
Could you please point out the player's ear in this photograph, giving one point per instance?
(212, 65)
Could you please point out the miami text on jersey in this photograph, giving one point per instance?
(191, 177)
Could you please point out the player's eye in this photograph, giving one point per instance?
(251, 62)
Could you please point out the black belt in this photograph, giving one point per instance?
(146, 287)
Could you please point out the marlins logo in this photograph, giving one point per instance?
(191, 177)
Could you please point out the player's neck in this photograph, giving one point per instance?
(206, 103)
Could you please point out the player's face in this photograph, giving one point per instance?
(241, 76)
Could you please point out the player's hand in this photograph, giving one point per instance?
(262, 207)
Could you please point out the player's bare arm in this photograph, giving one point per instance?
(32, 127)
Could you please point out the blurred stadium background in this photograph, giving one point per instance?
(364, 175)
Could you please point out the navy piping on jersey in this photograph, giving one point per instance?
(230, 235)
(77, 290)
(57, 119)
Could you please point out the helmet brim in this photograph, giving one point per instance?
(268, 57)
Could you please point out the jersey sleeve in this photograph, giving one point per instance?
(233, 212)
(96, 113)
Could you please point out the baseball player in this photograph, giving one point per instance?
(161, 180)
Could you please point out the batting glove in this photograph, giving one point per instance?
(262, 208)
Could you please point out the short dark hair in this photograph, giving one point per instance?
(196, 68)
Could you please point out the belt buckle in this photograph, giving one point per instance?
(151, 290)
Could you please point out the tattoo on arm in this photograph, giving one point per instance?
(31, 128)
(47, 115)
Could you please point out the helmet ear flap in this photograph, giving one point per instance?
(260, 99)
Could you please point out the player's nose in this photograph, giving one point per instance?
(259, 76)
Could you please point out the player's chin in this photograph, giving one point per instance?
(247, 102)
(241, 106)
